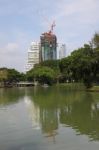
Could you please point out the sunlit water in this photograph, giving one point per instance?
(52, 118)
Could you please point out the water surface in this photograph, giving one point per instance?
(53, 118)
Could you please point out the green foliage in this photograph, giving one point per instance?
(13, 75)
(53, 64)
(65, 67)
(48, 70)
(10, 76)
(95, 40)
(3, 74)
(30, 75)
(81, 65)
(22, 77)
(44, 75)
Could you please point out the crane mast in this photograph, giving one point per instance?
(52, 27)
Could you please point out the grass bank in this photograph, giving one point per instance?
(72, 86)
(94, 89)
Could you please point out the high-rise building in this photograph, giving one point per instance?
(48, 46)
(33, 55)
(62, 50)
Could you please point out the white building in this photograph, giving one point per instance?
(33, 55)
(61, 51)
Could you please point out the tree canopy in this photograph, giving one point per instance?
(81, 66)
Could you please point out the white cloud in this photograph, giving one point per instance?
(9, 49)
(76, 21)
(12, 57)
(13, 49)
(77, 6)
(77, 11)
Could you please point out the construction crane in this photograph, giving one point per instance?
(52, 27)
(45, 18)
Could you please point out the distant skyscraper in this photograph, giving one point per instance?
(62, 50)
(33, 55)
(48, 46)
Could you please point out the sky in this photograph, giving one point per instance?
(23, 21)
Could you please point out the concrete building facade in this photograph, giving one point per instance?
(62, 50)
(33, 55)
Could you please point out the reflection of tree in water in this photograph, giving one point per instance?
(50, 101)
(77, 109)
(45, 99)
(81, 117)
(11, 95)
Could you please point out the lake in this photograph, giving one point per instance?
(52, 118)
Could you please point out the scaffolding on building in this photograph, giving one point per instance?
(48, 45)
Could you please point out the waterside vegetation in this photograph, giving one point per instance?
(81, 66)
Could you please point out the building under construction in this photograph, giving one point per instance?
(48, 42)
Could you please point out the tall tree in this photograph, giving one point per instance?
(95, 41)
(3, 74)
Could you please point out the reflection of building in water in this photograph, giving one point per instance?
(33, 112)
(49, 122)
(45, 118)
